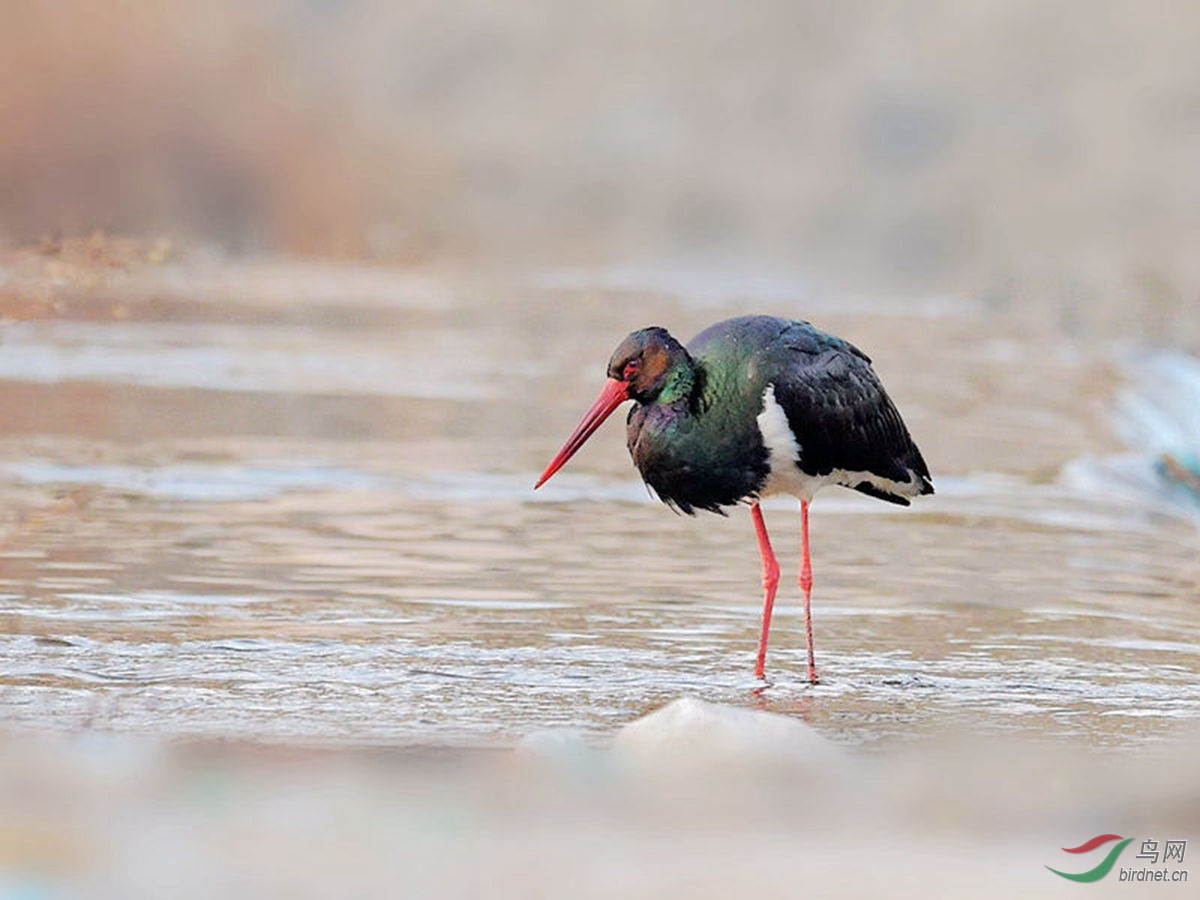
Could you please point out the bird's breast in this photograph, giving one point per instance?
(691, 460)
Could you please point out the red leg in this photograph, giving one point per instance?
(770, 580)
(806, 582)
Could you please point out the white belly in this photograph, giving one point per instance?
(785, 454)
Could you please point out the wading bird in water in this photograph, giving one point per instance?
(751, 407)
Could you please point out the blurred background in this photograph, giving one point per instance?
(296, 300)
(1014, 149)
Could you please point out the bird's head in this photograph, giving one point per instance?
(640, 368)
(643, 363)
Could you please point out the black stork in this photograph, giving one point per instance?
(751, 407)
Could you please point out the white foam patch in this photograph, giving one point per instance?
(1160, 411)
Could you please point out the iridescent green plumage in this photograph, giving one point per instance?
(695, 434)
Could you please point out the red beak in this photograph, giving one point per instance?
(611, 396)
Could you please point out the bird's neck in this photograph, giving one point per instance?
(680, 384)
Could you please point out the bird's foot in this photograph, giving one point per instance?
(761, 680)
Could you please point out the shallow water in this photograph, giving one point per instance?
(228, 516)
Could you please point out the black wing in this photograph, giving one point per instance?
(842, 417)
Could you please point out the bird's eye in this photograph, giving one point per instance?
(630, 371)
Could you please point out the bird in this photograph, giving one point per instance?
(751, 407)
